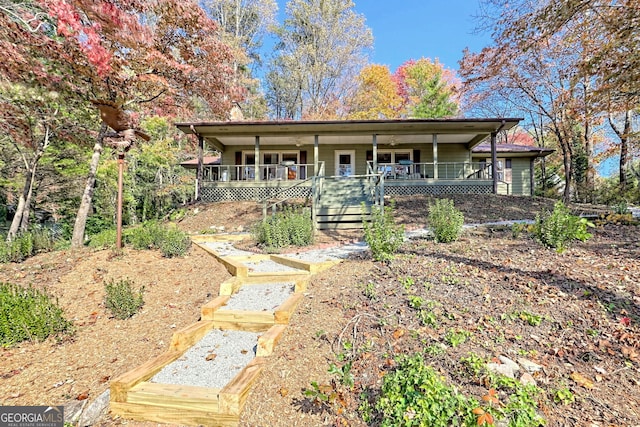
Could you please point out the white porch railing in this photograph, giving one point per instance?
(446, 170)
(279, 172)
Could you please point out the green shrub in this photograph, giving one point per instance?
(121, 299)
(29, 314)
(415, 395)
(149, 235)
(445, 221)
(382, 234)
(27, 244)
(292, 226)
(556, 230)
(174, 243)
(104, 239)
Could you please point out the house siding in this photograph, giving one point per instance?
(520, 176)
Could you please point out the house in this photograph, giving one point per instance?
(514, 166)
(338, 164)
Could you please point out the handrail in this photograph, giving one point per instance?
(273, 206)
(426, 170)
(505, 183)
(264, 201)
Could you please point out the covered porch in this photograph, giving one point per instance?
(267, 159)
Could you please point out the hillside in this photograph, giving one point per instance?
(575, 312)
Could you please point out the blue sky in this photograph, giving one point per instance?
(412, 29)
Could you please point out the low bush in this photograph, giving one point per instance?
(382, 234)
(445, 221)
(174, 243)
(292, 226)
(104, 239)
(558, 229)
(29, 314)
(121, 299)
(149, 235)
(27, 244)
(415, 395)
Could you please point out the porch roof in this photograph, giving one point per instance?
(514, 150)
(347, 132)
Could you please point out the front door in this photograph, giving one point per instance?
(345, 162)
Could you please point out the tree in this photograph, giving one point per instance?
(322, 47)
(245, 23)
(541, 78)
(623, 129)
(428, 89)
(160, 57)
(614, 58)
(601, 59)
(376, 96)
(32, 120)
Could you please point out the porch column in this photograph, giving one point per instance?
(256, 160)
(435, 156)
(374, 161)
(199, 171)
(494, 162)
(315, 155)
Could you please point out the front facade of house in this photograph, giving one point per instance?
(260, 160)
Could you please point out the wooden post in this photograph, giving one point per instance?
(256, 159)
(316, 143)
(119, 207)
(435, 156)
(494, 162)
(374, 161)
(199, 171)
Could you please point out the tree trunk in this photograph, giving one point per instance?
(624, 146)
(24, 223)
(624, 150)
(77, 239)
(566, 157)
(21, 218)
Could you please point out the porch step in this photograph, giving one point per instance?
(341, 203)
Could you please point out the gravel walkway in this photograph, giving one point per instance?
(228, 352)
(267, 266)
(225, 248)
(266, 297)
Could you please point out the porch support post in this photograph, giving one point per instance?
(494, 162)
(435, 156)
(256, 159)
(316, 143)
(200, 170)
(374, 161)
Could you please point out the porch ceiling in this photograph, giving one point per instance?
(390, 132)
